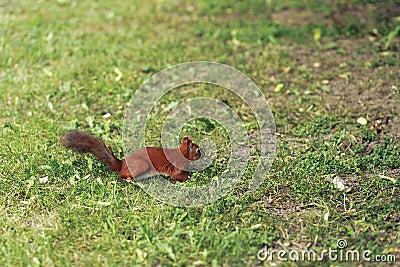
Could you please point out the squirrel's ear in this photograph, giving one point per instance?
(185, 140)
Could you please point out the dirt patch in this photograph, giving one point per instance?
(298, 17)
(348, 16)
(355, 79)
(367, 86)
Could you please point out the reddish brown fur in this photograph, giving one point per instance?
(172, 162)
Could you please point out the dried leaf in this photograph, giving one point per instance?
(317, 34)
(392, 179)
(279, 87)
(338, 183)
(103, 203)
(44, 179)
(362, 121)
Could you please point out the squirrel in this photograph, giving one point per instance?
(148, 160)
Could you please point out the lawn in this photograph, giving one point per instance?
(329, 70)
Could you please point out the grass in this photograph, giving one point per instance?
(320, 65)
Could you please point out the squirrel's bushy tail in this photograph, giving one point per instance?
(86, 143)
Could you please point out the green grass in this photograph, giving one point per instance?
(58, 68)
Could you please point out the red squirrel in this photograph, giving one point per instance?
(148, 160)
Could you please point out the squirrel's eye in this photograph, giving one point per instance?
(198, 150)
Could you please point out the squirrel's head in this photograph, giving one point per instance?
(190, 150)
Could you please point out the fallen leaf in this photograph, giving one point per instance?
(119, 74)
(44, 179)
(99, 180)
(279, 87)
(362, 121)
(392, 179)
(325, 82)
(107, 115)
(317, 34)
(256, 226)
(338, 183)
(326, 216)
